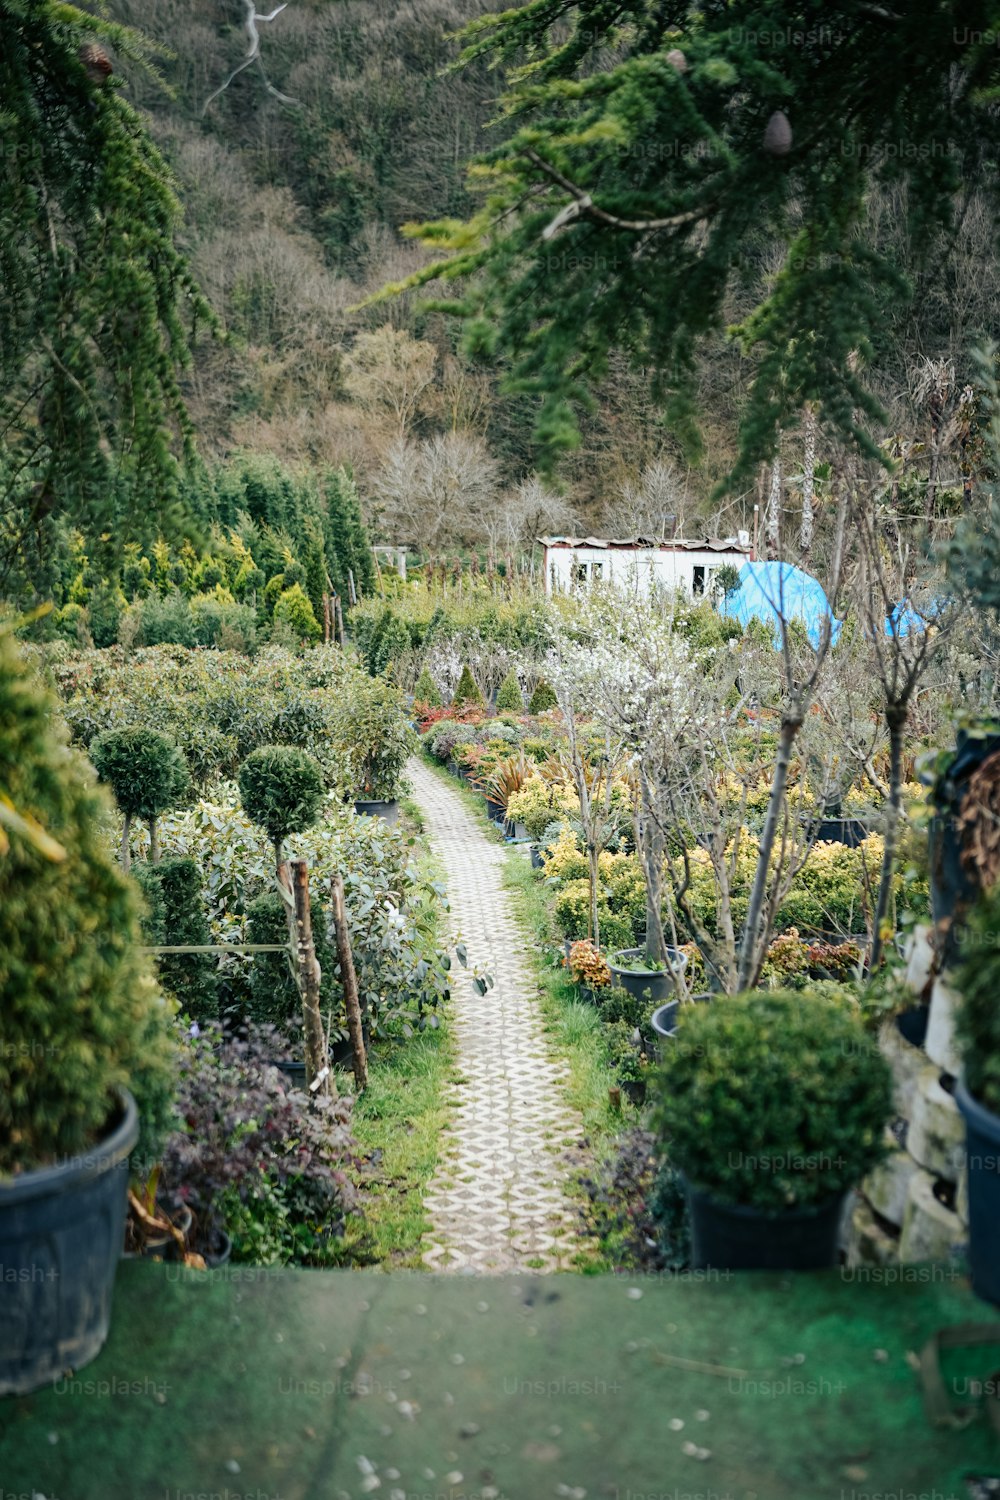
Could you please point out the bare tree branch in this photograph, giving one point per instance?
(252, 21)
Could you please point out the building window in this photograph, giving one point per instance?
(580, 572)
(597, 570)
(698, 580)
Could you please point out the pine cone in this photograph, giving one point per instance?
(778, 134)
(96, 62)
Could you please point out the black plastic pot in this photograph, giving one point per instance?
(219, 1256)
(658, 984)
(496, 811)
(634, 1089)
(982, 1152)
(386, 808)
(537, 862)
(729, 1237)
(61, 1234)
(341, 1053)
(849, 831)
(664, 1025)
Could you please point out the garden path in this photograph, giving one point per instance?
(498, 1199)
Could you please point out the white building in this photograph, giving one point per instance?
(676, 565)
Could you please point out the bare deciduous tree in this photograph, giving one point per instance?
(389, 370)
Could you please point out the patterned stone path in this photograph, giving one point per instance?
(498, 1199)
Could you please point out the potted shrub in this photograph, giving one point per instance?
(500, 783)
(772, 1105)
(588, 968)
(977, 1093)
(87, 1052)
(372, 733)
(963, 782)
(628, 1060)
(282, 791)
(653, 978)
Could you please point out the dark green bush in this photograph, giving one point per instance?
(146, 772)
(81, 1012)
(509, 699)
(282, 791)
(167, 621)
(425, 691)
(773, 1099)
(467, 693)
(978, 982)
(543, 698)
(173, 888)
(274, 995)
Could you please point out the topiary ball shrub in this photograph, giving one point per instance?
(977, 1022)
(274, 995)
(147, 773)
(282, 791)
(543, 698)
(774, 1100)
(81, 1013)
(467, 694)
(173, 891)
(509, 698)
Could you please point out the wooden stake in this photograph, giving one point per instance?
(350, 585)
(319, 1078)
(326, 619)
(349, 980)
(340, 622)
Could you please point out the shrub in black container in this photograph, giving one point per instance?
(772, 1105)
(82, 1021)
(282, 792)
(174, 893)
(148, 775)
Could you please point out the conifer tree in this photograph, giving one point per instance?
(661, 152)
(97, 305)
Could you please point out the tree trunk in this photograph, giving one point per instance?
(895, 715)
(808, 473)
(595, 926)
(319, 1078)
(772, 526)
(349, 981)
(126, 854)
(154, 841)
(749, 947)
(650, 845)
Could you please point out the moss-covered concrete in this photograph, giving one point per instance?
(307, 1385)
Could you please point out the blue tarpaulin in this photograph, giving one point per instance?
(770, 590)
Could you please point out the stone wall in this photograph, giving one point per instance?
(914, 1207)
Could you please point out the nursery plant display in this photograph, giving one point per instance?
(772, 1105)
(87, 1053)
(372, 739)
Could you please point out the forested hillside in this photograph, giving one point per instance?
(293, 216)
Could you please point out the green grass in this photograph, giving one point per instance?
(398, 1122)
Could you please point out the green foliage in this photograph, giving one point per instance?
(282, 790)
(98, 306)
(775, 1100)
(218, 706)
(629, 150)
(81, 1012)
(467, 694)
(294, 608)
(274, 994)
(543, 698)
(372, 737)
(978, 1019)
(144, 768)
(173, 892)
(425, 691)
(509, 699)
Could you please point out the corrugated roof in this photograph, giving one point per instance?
(675, 544)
